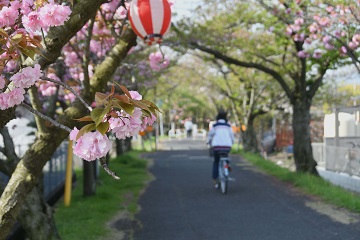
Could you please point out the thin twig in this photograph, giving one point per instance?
(68, 88)
(55, 123)
(106, 168)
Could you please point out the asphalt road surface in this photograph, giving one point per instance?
(182, 204)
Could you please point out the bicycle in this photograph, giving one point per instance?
(224, 172)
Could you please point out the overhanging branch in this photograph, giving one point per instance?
(231, 60)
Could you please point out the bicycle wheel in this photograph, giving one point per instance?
(224, 186)
(222, 179)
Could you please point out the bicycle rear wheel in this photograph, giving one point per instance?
(223, 181)
(224, 186)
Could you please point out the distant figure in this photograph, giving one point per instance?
(221, 138)
(188, 127)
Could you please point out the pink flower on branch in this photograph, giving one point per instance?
(11, 98)
(91, 145)
(54, 15)
(8, 16)
(158, 61)
(27, 77)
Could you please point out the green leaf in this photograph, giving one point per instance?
(103, 127)
(100, 98)
(3, 33)
(29, 51)
(124, 89)
(151, 104)
(97, 114)
(146, 113)
(128, 108)
(84, 119)
(154, 111)
(87, 128)
(17, 38)
(122, 98)
(139, 104)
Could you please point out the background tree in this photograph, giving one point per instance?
(289, 41)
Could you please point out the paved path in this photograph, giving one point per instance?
(181, 203)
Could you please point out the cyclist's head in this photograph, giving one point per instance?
(221, 115)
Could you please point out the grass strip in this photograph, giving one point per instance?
(86, 217)
(308, 183)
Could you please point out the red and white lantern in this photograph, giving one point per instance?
(150, 19)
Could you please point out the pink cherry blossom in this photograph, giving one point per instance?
(299, 37)
(8, 16)
(11, 98)
(147, 121)
(70, 97)
(313, 28)
(135, 95)
(47, 88)
(299, 21)
(158, 61)
(120, 13)
(343, 50)
(353, 45)
(324, 21)
(326, 39)
(54, 15)
(329, 46)
(91, 145)
(32, 22)
(317, 54)
(155, 57)
(126, 125)
(27, 77)
(73, 134)
(303, 54)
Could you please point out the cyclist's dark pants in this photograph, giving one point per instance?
(217, 154)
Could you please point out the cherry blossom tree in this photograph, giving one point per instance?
(33, 35)
(295, 42)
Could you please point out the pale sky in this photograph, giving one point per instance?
(184, 7)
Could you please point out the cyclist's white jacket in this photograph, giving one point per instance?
(221, 135)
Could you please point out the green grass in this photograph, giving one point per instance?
(85, 218)
(308, 183)
(145, 144)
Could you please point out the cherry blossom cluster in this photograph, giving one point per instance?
(23, 22)
(158, 61)
(326, 30)
(20, 23)
(93, 145)
(14, 93)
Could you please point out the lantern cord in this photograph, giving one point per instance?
(162, 53)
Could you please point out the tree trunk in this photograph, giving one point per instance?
(89, 188)
(36, 216)
(249, 139)
(128, 145)
(119, 147)
(303, 154)
(37, 219)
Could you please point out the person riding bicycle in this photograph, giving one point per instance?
(221, 138)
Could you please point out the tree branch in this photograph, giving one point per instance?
(231, 60)
(43, 116)
(70, 89)
(107, 170)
